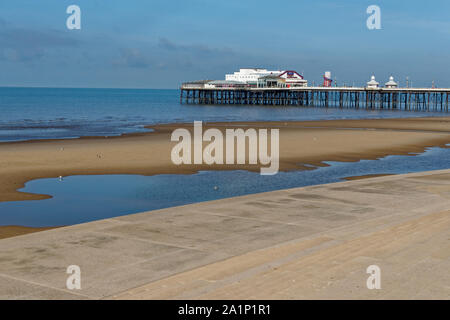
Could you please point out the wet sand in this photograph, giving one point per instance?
(307, 142)
(13, 231)
(367, 176)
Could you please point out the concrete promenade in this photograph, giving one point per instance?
(302, 243)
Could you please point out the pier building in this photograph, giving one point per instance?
(250, 75)
(391, 83)
(372, 84)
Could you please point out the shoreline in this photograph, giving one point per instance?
(302, 144)
(15, 231)
(432, 132)
(367, 176)
(414, 124)
(10, 231)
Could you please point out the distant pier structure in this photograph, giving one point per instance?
(290, 89)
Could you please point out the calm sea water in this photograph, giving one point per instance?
(80, 199)
(45, 113)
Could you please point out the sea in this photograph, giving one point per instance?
(57, 113)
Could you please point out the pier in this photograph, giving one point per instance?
(411, 99)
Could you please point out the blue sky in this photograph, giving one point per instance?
(159, 44)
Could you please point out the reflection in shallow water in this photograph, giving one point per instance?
(78, 199)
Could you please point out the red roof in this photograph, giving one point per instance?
(291, 71)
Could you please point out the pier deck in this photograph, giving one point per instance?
(413, 99)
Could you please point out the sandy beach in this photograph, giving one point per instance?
(308, 142)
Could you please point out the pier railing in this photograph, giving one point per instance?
(416, 99)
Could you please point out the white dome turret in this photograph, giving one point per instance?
(372, 84)
(391, 83)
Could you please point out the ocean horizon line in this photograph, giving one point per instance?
(93, 88)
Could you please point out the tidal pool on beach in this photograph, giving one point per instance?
(78, 199)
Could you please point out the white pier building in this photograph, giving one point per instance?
(257, 77)
(250, 75)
